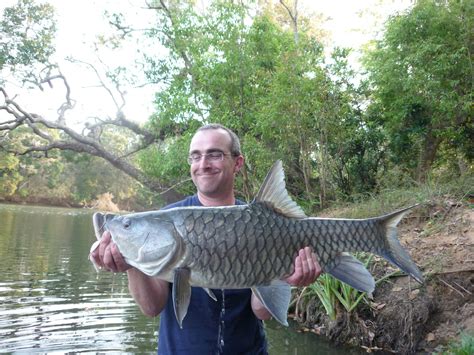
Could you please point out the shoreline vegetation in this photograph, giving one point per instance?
(402, 316)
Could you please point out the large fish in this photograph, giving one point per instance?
(251, 246)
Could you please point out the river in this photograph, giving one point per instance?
(53, 301)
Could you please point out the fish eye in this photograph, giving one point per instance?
(126, 223)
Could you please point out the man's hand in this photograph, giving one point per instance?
(307, 269)
(108, 256)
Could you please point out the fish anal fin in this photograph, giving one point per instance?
(181, 294)
(276, 299)
(273, 193)
(352, 272)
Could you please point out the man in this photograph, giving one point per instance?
(233, 323)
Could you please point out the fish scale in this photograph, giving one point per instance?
(261, 260)
(250, 246)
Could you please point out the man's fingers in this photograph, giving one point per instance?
(298, 267)
(104, 242)
(109, 261)
(313, 266)
(304, 260)
(318, 269)
(306, 266)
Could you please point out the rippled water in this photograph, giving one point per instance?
(53, 301)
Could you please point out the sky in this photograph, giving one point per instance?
(350, 23)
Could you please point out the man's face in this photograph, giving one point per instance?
(214, 179)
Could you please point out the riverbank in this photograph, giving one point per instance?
(403, 316)
(49, 201)
(104, 202)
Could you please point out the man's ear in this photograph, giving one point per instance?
(239, 163)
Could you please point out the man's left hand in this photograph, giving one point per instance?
(307, 269)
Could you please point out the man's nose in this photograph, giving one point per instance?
(204, 162)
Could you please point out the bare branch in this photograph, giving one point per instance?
(69, 104)
(119, 106)
(294, 18)
(81, 143)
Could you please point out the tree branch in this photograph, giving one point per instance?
(77, 142)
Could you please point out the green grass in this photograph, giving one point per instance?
(463, 346)
(390, 199)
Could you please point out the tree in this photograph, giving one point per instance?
(422, 79)
(10, 178)
(29, 31)
(262, 76)
(27, 37)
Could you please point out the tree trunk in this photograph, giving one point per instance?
(427, 155)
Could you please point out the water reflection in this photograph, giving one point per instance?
(52, 300)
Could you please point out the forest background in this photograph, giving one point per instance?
(401, 118)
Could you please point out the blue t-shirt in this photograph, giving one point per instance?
(225, 326)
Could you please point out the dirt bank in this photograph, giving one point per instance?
(405, 317)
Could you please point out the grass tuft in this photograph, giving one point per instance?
(463, 346)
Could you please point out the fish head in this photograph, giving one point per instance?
(146, 241)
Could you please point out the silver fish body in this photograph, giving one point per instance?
(251, 246)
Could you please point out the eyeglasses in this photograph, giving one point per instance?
(212, 157)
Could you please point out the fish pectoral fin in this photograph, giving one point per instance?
(210, 293)
(276, 299)
(351, 271)
(181, 294)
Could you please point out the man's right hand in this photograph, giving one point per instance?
(107, 255)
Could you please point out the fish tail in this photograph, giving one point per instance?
(395, 253)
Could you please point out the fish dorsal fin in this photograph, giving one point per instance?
(273, 193)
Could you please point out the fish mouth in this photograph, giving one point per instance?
(99, 221)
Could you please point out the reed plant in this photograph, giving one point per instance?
(332, 292)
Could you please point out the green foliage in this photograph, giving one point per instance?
(27, 32)
(435, 189)
(323, 289)
(464, 346)
(10, 178)
(421, 73)
(348, 296)
(167, 162)
(65, 176)
(278, 95)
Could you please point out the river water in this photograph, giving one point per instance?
(53, 301)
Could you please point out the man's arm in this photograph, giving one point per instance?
(150, 293)
(307, 270)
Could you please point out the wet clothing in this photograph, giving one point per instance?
(227, 326)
